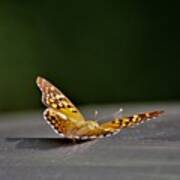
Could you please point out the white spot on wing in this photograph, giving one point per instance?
(92, 137)
(116, 132)
(76, 137)
(101, 136)
(84, 137)
(108, 135)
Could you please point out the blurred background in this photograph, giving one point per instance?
(94, 51)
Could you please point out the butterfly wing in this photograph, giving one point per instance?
(61, 124)
(114, 126)
(53, 98)
(131, 121)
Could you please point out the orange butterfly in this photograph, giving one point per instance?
(68, 122)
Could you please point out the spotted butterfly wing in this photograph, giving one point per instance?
(55, 99)
(130, 121)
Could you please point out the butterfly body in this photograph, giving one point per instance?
(67, 121)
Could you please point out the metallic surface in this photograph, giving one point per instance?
(30, 150)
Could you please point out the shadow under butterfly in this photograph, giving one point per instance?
(47, 143)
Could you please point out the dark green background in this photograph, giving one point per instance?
(95, 51)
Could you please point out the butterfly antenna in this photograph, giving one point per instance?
(96, 114)
(118, 114)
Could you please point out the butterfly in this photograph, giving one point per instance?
(68, 122)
